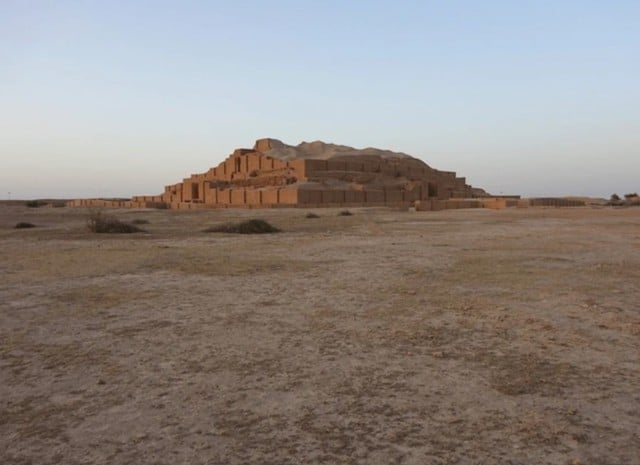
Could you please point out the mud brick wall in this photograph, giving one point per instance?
(393, 196)
(288, 196)
(336, 165)
(309, 197)
(313, 166)
(253, 197)
(354, 197)
(374, 196)
(270, 197)
(238, 197)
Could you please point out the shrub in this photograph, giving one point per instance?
(244, 227)
(140, 221)
(345, 213)
(24, 225)
(615, 197)
(101, 223)
(311, 215)
(34, 203)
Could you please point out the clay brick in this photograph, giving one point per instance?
(353, 196)
(313, 166)
(332, 196)
(279, 164)
(336, 165)
(300, 168)
(238, 197)
(410, 196)
(370, 167)
(392, 196)
(289, 196)
(353, 166)
(270, 197)
(263, 145)
(374, 196)
(240, 152)
(494, 203)
(253, 162)
(309, 196)
(253, 197)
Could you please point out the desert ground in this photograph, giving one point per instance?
(453, 337)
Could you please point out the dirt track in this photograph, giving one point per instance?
(468, 337)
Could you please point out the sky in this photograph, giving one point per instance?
(118, 98)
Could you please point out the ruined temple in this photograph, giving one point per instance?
(311, 174)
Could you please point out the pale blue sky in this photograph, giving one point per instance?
(117, 98)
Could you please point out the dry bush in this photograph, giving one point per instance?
(35, 203)
(254, 226)
(24, 225)
(311, 215)
(140, 221)
(98, 222)
(345, 213)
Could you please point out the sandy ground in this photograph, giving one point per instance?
(464, 337)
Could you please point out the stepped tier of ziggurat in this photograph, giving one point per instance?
(313, 174)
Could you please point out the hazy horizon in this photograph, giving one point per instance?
(119, 99)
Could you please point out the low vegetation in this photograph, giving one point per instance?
(311, 215)
(98, 222)
(35, 203)
(140, 221)
(629, 200)
(24, 225)
(254, 226)
(345, 213)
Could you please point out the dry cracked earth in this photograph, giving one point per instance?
(455, 337)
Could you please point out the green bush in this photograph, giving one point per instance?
(244, 227)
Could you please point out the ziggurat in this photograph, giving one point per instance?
(273, 174)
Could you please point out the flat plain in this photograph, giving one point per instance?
(453, 337)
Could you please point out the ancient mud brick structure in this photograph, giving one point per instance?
(273, 174)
